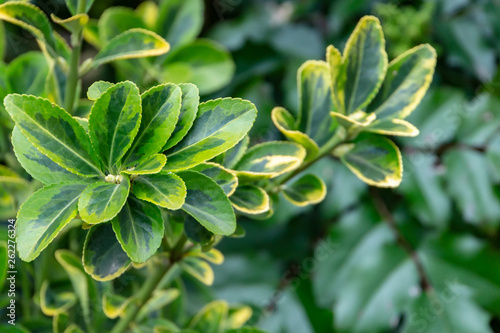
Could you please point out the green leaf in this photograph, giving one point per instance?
(103, 256)
(307, 190)
(211, 318)
(73, 24)
(139, 229)
(160, 111)
(117, 20)
(396, 127)
(208, 204)
(27, 74)
(285, 123)
(158, 300)
(102, 201)
(197, 233)
(38, 165)
(187, 115)
(407, 81)
(226, 179)
(234, 155)
(54, 132)
(60, 322)
(375, 160)
(214, 256)
(220, 124)
(133, 43)
(198, 269)
(114, 305)
(180, 21)
(153, 164)
(334, 60)
(73, 5)
(364, 65)
(315, 99)
(269, 160)
(53, 302)
(43, 215)
(4, 260)
(205, 63)
(97, 89)
(356, 119)
(114, 122)
(238, 316)
(250, 199)
(164, 189)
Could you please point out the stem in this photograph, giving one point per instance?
(384, 212)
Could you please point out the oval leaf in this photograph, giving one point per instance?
(307, 190)
(97, 89)
(250, 199)
(153, 164)
(180, 21)
(198, 269)
(114, 305)
(234, 155)
(222, 176)
(164, 189)
(396, 127)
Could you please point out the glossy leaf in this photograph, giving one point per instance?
(208, 204)
(250, 199)
(376, 161)
(117, 20)
(73, 5)
(234, 155)
(225, 178)
(396, 127)
(102, 201)
(160, 111)
(121, 104)
(103, 256)
(307, 190)
(211, 318)
(43, 215)
(164, 189)
(269, 160)
(153, 164)
(139, 229)
(334, 60)
(73, 24)
(407, 81)
(133, 43)
(180, 21)
(189, 108)
(220, 124)
(199, 269)
(364, 65)
(97, 89)
(54, 132)
(213, 256)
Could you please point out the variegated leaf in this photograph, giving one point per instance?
(73, 24)
(102, 201)
(220, 124)
(164, 189)
(139, 229)
(356, 119)
(250, 199)
(103, 256)
(158, 300)
(375, 160)
(208, 204)
(43, 215)
(114, 122)
(151, 165)
(60, 322)
(114, 305)
(187, 115)
(160, 111)
(234, 155)
(117, 20)
(172, 18)
(54, 132)
(211, 318)
(73, 5)
(269, 160)
(197, 233)
(97, 89)
(285, 123)
(334, 60)
(364, 66)
(133, 43)
(214, 256)
(198, 269)
(307, 190)
(55, 301)
(225, 178)
(38, 165)
(237, 316)
(396, 127)
(407, 81)
(315, 98)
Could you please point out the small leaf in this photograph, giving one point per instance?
(73, 5)
(199, 269)
(73, 24)
(164, 189)
(356, 119)
(117, 20)
(114, 305)
(158, 300)
(43, 215)
(226, 179)
(160, 111)
(307, 190)
(285, 123)
(103, 256)
(334, 60)
(53, 302)
(396, 127)
(211, 318)
(204, 63)
(102, 201)
(152, 165)
(315, 97)
(97, 89)
(187, 115)
(238, 316)
(54, 132)
(364, 65)
(269, 160)
(133, 43)
(220, 124)
(38, 165)
(139, 229)
(214, 256)
(114, 122)
(250, 199)
(376, 161)
(407, 81)
(234, 155)
(208, 204)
